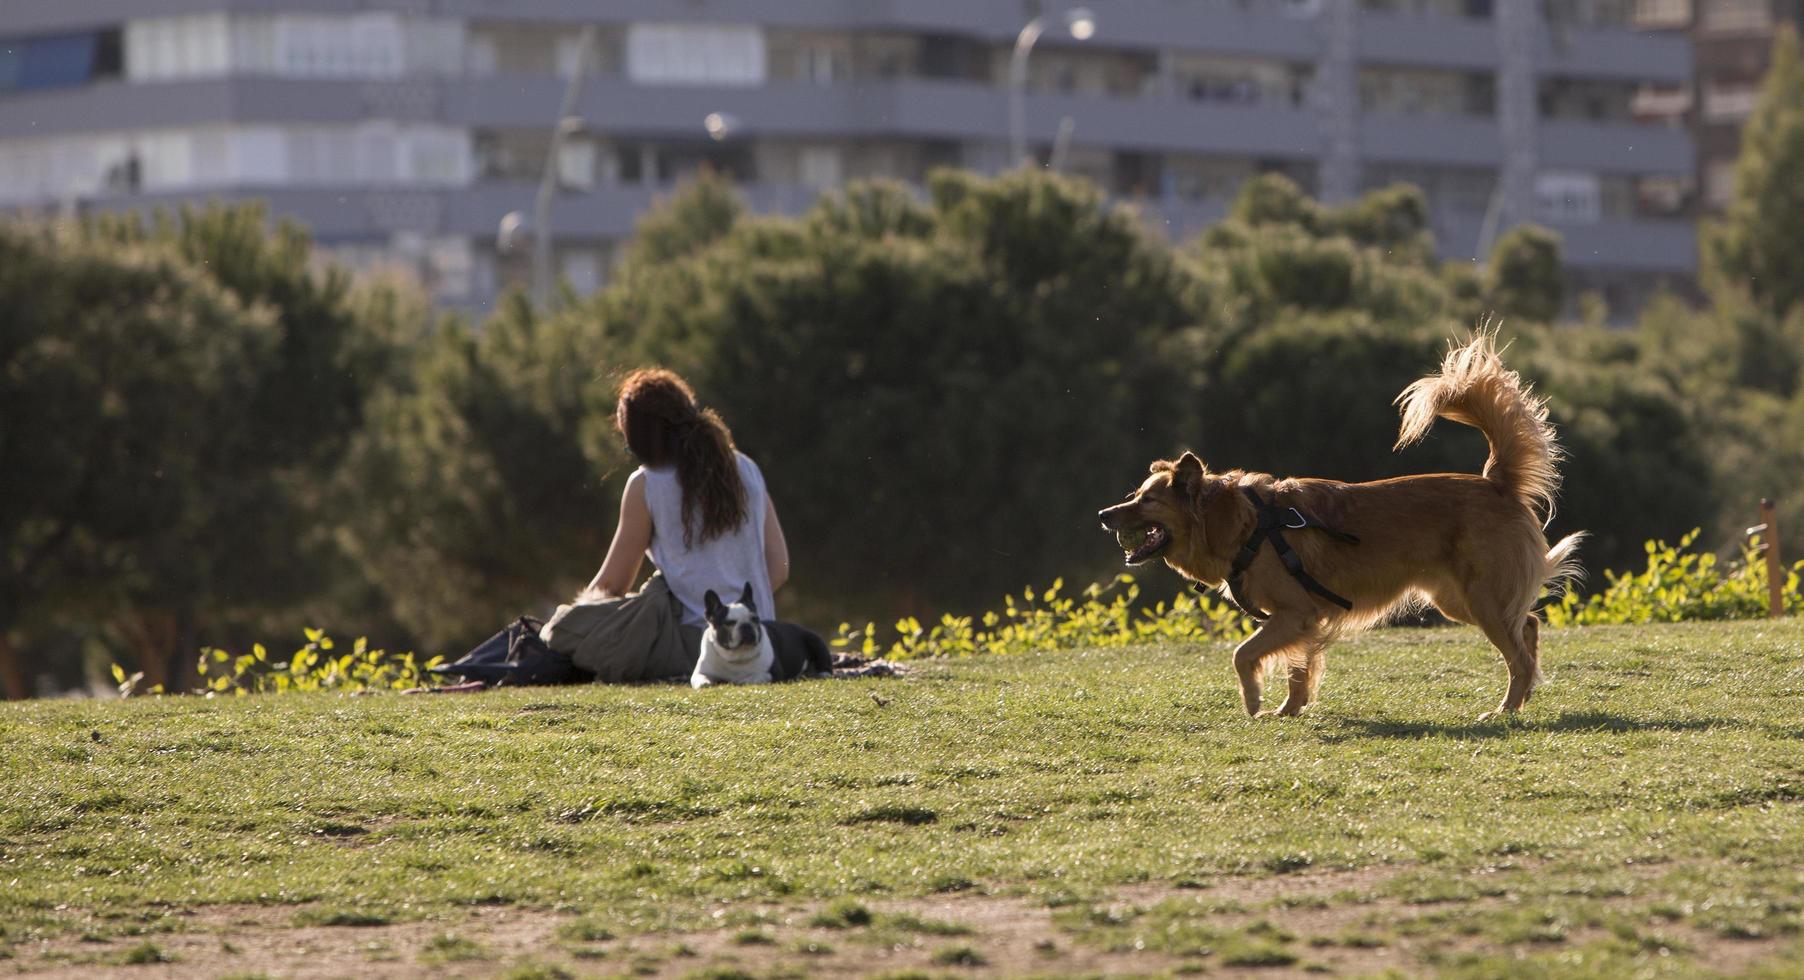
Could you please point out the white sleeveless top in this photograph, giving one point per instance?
(724, 564)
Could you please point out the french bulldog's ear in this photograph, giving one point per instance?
(745, 598)
(711, 603)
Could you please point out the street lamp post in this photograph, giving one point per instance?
(1082, 25)
(508, 235)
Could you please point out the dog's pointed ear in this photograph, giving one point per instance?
(711, 604)
(1189, 473)
(745, 597)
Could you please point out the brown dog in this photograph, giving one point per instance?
(1472, 546)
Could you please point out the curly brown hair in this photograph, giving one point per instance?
(664, 425)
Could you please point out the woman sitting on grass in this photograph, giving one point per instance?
(699, 508)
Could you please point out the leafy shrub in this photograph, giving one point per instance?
(313, 667)
(1678, 585)
(1050, 621)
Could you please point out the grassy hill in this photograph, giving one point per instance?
(1065, 813)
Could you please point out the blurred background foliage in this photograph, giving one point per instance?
(207, 438)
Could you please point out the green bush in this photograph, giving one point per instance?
(1677, 585)
(1050, 621)
(1680, 585)
(314, 667)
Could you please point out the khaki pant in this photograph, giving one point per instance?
(638, 637)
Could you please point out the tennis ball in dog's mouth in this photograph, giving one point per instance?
(1132, 540)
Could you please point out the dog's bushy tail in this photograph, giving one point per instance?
(1563, 568)
(1474, 388)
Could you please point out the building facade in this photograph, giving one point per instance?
(405, 130)
(1732, 43)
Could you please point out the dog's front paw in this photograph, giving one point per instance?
(1497, 714)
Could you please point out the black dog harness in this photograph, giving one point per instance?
(1273, 522)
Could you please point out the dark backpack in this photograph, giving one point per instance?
(516, 657)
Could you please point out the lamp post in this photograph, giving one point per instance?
(721, 126)
(1082, 25)
(508, 235)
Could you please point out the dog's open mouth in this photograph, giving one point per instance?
(1143, 543)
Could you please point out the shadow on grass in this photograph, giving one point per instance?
(1571, 721)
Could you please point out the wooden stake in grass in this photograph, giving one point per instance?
(1775, 568)
(1768, 529)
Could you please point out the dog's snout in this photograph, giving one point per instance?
(1110, 515)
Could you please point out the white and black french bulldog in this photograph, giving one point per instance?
(735, 647)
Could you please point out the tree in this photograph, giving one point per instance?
(1754, 248)
(253, 542)
(216, 375)
(125, 370)
(487, 478)
(1525, 278)
(941, 394)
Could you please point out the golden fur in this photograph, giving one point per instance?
(1471, 546)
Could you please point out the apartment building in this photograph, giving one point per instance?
(1732, 43)
(403, 131)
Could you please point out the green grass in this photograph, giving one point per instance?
(1650, 799)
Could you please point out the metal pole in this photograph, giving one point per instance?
(1017, 89)
(1487, 230)
(541, 207)
(1061, 145)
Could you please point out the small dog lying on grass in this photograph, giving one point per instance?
(1315, 558)
(735, 647)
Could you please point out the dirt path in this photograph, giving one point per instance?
(1328, 922)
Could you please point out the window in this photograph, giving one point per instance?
(1443, 8)
(1570, 198)
(1449, 190)
(1719, 182)
(358, 46)
(1566, 98)
(1663, 196)
(59, 61)
(1662, 13)
(1205, 178)
(1738, 15)
(695, 54)
(1729, 103)
(1661, 102)
(1592, 13)
(884, 56)
(576, 164)
(372, 45)
(377, 153)
(1414, 92)
(434, 155)
(1204, 78)
(449, 263)
(821, 167)
(822, 65)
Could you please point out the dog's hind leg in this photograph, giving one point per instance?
(1509, 639)
(1531, 642)
(1277, 635)
(1305, 678)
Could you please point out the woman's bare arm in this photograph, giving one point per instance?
(776, 549)
(631, 537)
